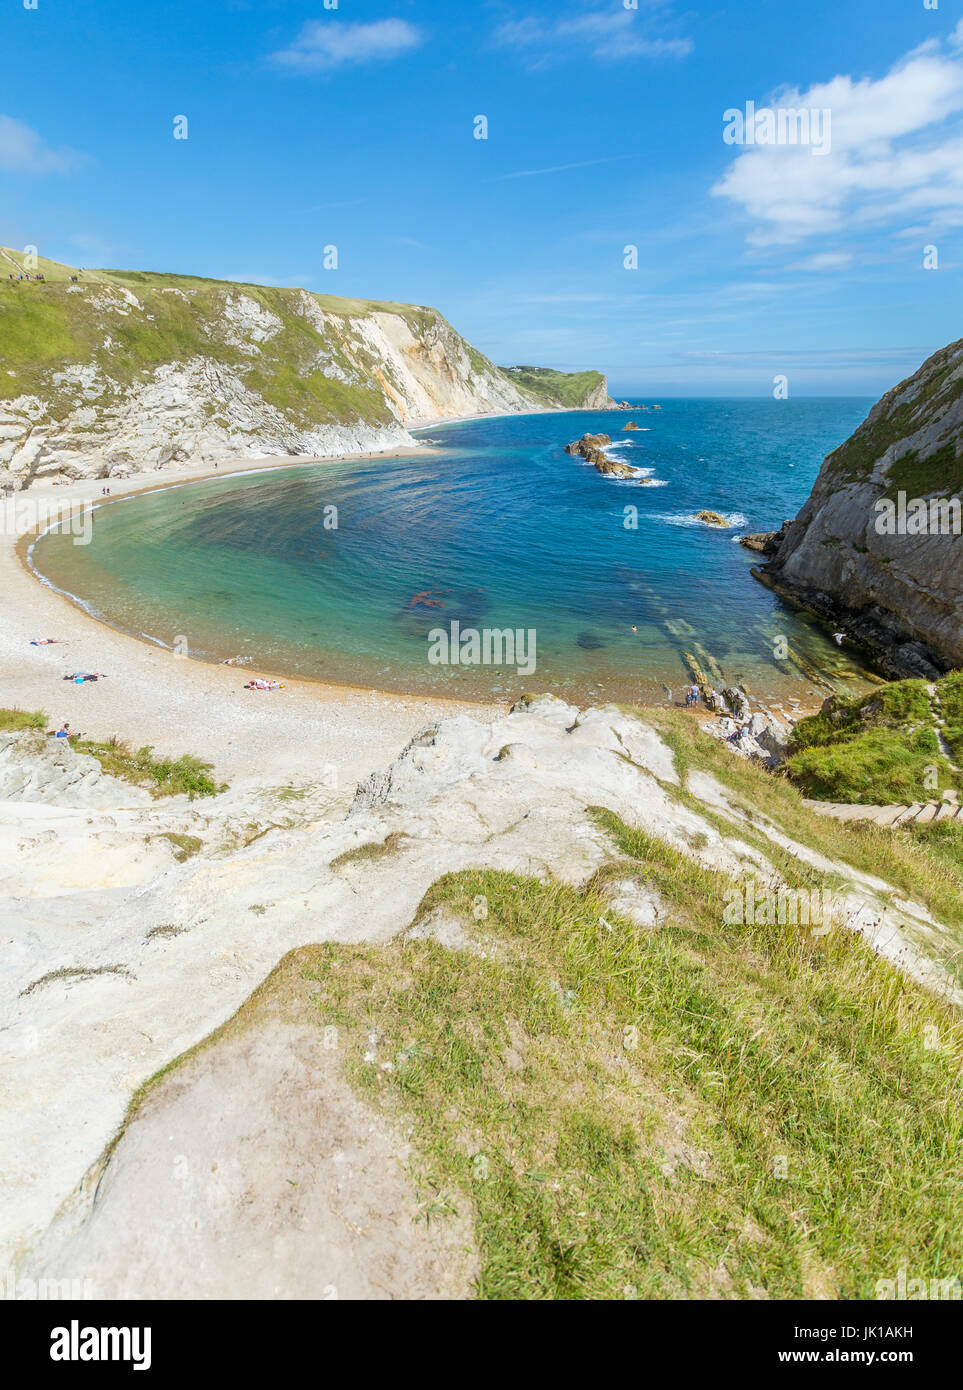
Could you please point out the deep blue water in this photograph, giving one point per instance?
(500, 529)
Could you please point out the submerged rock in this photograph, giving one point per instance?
(766, 542)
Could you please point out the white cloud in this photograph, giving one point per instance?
(896, 151)
(825, 260)
(609, 34)
(22, 150)
(325, 44)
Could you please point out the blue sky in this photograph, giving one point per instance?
(354, 125)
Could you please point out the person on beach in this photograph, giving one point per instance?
(64, 731)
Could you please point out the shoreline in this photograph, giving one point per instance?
(183, 704)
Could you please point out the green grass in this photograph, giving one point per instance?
(690, 1111)
(944, 842)
(875, 749)
(568, 389)
(854, 460)
(874, 768)
(183, 776)
(371, 851)
(184, 846)
(316, 373)
(889, 706)
(940, 472)
(950, 693)
(13, 720)
(905, 861)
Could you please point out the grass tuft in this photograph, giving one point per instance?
(183, 776)
(13, 720)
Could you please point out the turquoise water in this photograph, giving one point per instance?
(499, 529)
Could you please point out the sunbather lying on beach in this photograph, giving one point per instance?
(78, 677)
(259, 684)
(43, 641)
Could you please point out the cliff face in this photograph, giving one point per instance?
(862, 553)
(109, 372)
(572, 390)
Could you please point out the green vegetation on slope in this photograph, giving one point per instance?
(853, 461)
(692, 1110)
(950, 694)
(875, 749)
(940, 472)
(919, 862)
(314, 368)
(14, 720)
(569, 389)
(47, 327)
(183, 776)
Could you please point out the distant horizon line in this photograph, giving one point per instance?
(753, 396)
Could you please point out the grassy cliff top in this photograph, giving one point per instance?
(565, 388)
(882, 748)
(930, 393)
(126, 323)
(55, 273)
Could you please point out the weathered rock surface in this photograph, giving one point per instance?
(591, 447)
(711, 518)
(896, 590)
(588, 441)
(766, 542)
(118, 958)
(198, 371)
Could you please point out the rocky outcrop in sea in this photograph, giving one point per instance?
(591, 447)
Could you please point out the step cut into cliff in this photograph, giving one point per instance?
(104, 372)
(877, 548)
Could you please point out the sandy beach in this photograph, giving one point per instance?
(179, 705)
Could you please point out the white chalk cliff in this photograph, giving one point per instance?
(121, 954)
(116, 372)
